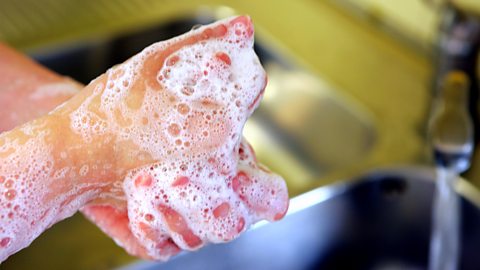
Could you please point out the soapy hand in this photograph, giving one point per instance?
(158, 141)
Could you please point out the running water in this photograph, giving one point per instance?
(451, 134)
(445, 238)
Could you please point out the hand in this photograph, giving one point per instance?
(168, 119)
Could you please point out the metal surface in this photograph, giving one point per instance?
(304, 128)
(451, 127)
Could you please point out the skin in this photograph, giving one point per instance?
(49, 170)
(20, 102)
(21, 86)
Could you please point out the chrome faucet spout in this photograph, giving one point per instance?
(451, 128)
(454, 126)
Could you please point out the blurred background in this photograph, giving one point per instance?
(355, 87)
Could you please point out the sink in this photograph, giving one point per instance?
(379, 221)
(304, 129)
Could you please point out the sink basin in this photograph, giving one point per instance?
(379, 221)
(304, 129)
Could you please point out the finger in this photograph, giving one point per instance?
(114, 222)
(262, 191)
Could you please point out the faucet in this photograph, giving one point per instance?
(453, 128)
(451, 137)
(457, 68)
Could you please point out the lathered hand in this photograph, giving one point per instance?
(164, 129)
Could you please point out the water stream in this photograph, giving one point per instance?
(445, 238)
(451, 134)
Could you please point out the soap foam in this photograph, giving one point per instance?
(66, 88)
(191, 119)
(197, 77)
(15, 179)
(188, 116)
(31, 194)
(213, 87)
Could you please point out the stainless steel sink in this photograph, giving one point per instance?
(304, 128)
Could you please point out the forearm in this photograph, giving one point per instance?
(36, 190)
(167, 124)
(28, 90)
(48, 172)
